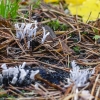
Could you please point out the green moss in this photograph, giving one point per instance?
(76, 49)
(56, 26)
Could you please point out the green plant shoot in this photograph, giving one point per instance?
(96, 37)
(8, 9)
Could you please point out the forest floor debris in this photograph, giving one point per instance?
(51, 54)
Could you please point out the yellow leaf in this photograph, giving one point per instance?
(88, 10)
(74, 2)
(50, 1)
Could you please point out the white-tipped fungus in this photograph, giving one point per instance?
(23, 65)
(5, 73)
(22, 75)
(79, 77)
(33, 31)
(16, 71)
(26, 30)
(3, 66)
(33, 73)
(14, 80)
(20, 30)
(10, 71)
(44, 35)
(16, 75)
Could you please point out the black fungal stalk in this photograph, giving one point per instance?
(23, 75)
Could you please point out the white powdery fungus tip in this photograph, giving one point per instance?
(5, 73)
(23, 65)
(19, 30)
(44, 35)
(27, 71)
(35, 28)
(73, 64)
(32, 31)
(26, 30)
(28, 44)
(18, 67)
(10, 71)
(22, 75)
(36, 23)
(22, 25)
(79, 77)
(3, 66)
(33, 73)
(17, 75)
(16, 71)
(14, 80)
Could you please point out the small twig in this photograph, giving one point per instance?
(38, 77)
(94, 86)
